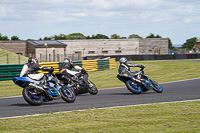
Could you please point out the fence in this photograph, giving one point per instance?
(148, 57)
(9, 71)
(58, 57)
(6, 58)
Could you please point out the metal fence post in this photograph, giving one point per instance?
(7, 59)
(19, 58)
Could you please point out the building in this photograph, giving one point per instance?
(135, 46)
(53, 50)
(197, 47)
(48, 50)
(18, 47)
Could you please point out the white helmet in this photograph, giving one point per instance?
(67, 60)
(123, 60)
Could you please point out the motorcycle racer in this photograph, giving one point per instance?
(66, 68)
(124, 68)
(31, 67)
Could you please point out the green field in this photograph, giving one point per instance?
(162, 71)
(181, 117)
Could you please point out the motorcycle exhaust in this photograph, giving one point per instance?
(36, 86)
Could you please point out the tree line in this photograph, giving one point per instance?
(189, 44)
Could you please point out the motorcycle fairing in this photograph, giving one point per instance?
(36, 76)
(124, 77)
(24, 81)
(54, 86)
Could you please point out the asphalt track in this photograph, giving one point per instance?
(174, 91)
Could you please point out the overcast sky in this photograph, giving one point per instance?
(177, 19)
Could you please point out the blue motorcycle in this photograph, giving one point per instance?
(140, 83)
(36, 94)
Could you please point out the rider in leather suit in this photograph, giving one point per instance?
(31, 67)
(66, 68)
(124, 68)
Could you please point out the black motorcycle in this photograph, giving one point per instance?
(79, 85)
(140, 83)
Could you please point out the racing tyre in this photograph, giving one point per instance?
(32, 96)
(67, 95)
(157, 87)
(133, 87)
(92, 89)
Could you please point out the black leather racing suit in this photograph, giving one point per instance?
(33, 67)
(125, 68)
(66, 70)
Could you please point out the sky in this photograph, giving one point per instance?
(178, 20)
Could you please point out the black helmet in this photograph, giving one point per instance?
(33, 60)
(67, 60)
(123, 60)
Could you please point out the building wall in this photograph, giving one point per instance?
(114, 46)
(53, 54)
(102, 46)
(197, 47)
(153, 46)
(14, 46)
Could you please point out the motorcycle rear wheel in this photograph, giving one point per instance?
(132, 87)
(31, 96)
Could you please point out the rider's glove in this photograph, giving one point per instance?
(83, 71)
(51, 69)
(142, 66)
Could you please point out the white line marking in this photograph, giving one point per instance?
(100, 108)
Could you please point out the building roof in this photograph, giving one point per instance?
(48, 42)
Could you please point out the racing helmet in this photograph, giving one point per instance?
(32, 60)
(122, 60)
(67, 60)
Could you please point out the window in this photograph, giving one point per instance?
(157, 51)
(150, 51)
(91, 52)
(104, 52)
(118, 51)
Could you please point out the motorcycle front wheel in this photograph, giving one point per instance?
(156, 87)
(92, 89)
(67, 95)
(133, 87)
(32, 96)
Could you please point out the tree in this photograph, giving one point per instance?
(189, 44)
(75, 36)
(170, 45)
(99, 36)
(47, 38)
(153, 36)
(134, 36)
(115, 36)
(15, 38)
(3, 37)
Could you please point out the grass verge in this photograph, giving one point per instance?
(181, 117)
(158, 71)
